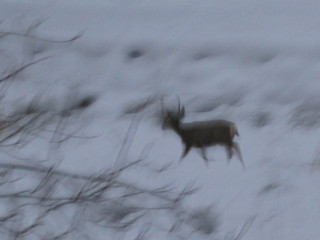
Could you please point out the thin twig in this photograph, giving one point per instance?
(15, 72)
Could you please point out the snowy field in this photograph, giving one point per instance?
(252, 62)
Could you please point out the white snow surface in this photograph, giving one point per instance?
(253, 62)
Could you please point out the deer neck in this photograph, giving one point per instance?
(177, 128)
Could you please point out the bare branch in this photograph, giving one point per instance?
(20, 69)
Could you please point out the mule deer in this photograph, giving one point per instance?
(203, 134)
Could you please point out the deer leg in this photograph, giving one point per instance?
(237, 149)
(204, 155)
(185, 152)
(229, 153)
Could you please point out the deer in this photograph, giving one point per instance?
(202, 134)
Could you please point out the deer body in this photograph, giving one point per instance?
(204, 134)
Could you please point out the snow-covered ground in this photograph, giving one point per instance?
(253, 62)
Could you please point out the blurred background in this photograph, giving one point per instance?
(84, 86)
